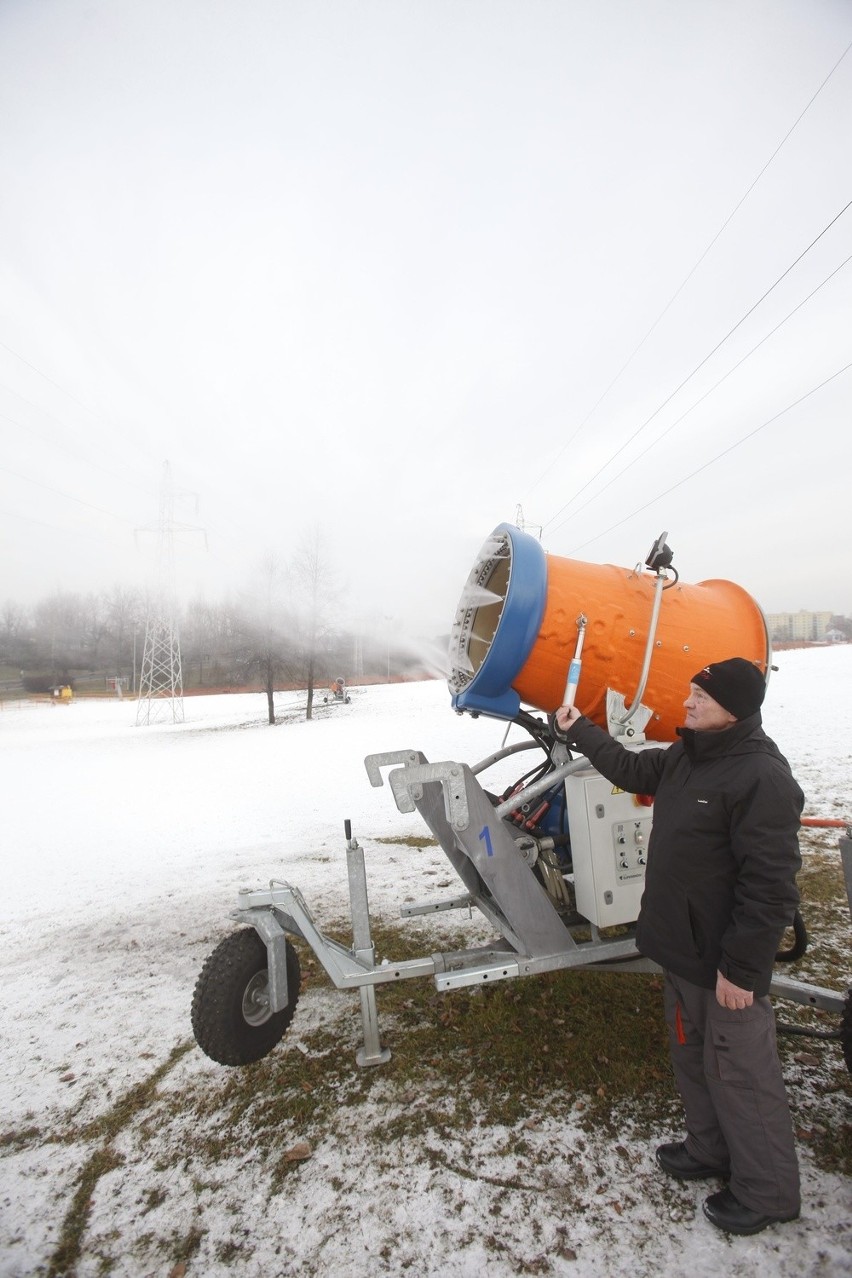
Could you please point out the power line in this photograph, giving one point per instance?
(67, 448)
(57, 492)
(86, 409)
(698, 366)
(713, 460)
(701, 398)
(689, 276)
(41, 373)
(64, 532)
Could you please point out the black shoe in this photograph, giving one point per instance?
(728, 1213)
(677, 1161)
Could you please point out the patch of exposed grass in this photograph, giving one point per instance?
(825, 910)
(409, 841)
(22, 1138)
(819, 1085)
(67, 1251)
(103, 1159)
(563, 1036)
(826, 961)
(134, 1102)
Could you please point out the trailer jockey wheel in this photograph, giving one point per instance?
(231, 1019)
(846, 1031)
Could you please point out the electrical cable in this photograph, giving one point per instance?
(700, 400)
(72, 452)
(35, 369)
(689, 276)
(223, 536)
(68, 496)
(65, 532)
(130, 438)
(80, 457)
(713, 460)
(80, 404)
(700, 365)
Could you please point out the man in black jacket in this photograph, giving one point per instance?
(720, 889)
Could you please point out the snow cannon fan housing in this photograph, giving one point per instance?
(516, 628)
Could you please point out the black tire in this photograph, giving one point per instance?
(229, 1020)
(846, 1031)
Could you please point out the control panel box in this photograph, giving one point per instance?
(609, 832)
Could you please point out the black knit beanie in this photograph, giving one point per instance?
(736, 684)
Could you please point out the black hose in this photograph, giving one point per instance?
(804, 1032)
(800, 942)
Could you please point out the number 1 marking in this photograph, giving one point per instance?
(485, 837)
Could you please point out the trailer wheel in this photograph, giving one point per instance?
(231, 1019)
(846, 1031)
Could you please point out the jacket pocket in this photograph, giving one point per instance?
(696, 931)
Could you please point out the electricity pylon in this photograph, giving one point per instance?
(161, 681)
(521, 523)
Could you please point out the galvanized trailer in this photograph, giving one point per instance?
(544, 918)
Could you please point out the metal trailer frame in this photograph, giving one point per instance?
(489, 859)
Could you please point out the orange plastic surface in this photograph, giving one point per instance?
(696, 625)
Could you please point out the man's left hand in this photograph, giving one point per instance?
(730, 995)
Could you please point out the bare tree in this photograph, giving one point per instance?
(263, 648)
(843, 624)
(15, 635)
(211, 636)
(315, 592)
(124, 616)
(66, 628)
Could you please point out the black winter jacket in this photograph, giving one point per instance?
(720, 886)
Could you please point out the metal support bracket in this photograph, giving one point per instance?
(272, 933)
(343, 968)
(375, 762)
(372, 1052)
(807, 995)
(407, 786)
(464, 902)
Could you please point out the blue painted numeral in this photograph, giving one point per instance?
(485, 837)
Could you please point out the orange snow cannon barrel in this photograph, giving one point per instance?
(515, 634)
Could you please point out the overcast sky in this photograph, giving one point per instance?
(396, 269)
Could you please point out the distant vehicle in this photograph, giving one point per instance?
(337, 691)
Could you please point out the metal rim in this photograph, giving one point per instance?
(255, 1006)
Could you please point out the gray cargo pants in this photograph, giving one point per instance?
(729, 1076)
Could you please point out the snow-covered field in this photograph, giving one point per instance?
(122, 852)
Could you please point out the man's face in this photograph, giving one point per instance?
(704, 714)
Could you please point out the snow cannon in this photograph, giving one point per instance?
(535, 628)
(554, 861)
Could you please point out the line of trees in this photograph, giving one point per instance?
(287, 628)
(841, 624)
